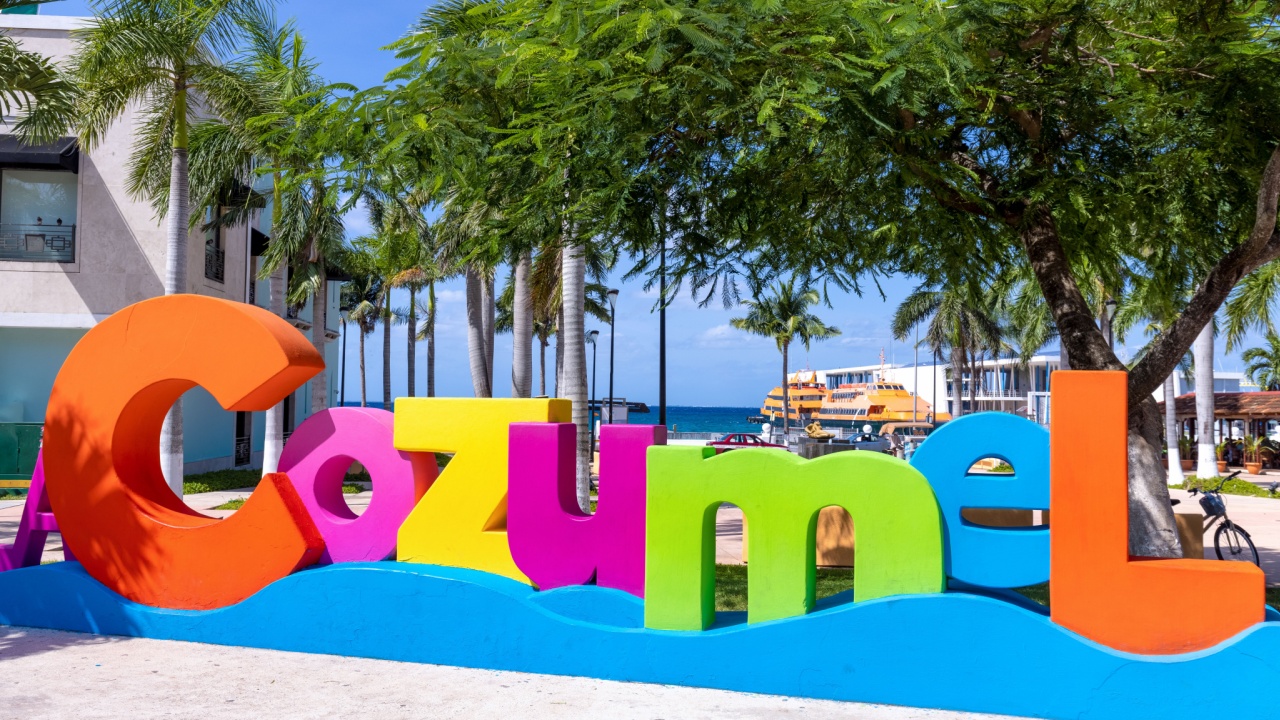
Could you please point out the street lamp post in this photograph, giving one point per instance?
(1111, 314)
(613, 316)
(662, 338)
(591, 338)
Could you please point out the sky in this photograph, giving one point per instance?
(708, 362)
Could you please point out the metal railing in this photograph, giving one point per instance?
(215, 264)
(38, 243)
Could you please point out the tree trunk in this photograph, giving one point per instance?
(490, 327)
(1152, 531)
(364, 383)
(178, 235)
(1171, 433)
(560, 347)
(431, 339)
(412, 350)
(386, 355)
(957, 382)
(786, 394)
(475, 334)
(273, 443)
(542, 368)
(319, 323)
(1206, 457)
(573, 337)
(973, 382)
(522, 329)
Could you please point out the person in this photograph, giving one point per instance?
(39, 221)
(909, 450)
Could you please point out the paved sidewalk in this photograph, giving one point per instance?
(64, 675)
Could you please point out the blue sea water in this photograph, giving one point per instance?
(701, 419)
(687, 419)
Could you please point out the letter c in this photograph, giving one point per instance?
(102, 460)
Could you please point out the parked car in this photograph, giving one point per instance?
(735, 441)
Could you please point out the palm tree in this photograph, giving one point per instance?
(32, 88)
(229, 153)
(959, 320)
(362, 295)
(785, 317)
(165, 58)
(1263, 364)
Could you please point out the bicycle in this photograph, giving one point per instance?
(1230, 537)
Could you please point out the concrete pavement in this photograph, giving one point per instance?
(61, 675)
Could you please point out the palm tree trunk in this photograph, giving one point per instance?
(973, 381)
(786, 396)
(490, 327)
(573, 337)
(1171, 433)
(273, 443)
(386, 356)
(542, 368)
(1206, 459)
(364, 383)
(175, 281)
(560, 349)
(319, 326)
(475, 334)
(431, 340)
(413, 339)
(522, 329)
(957, 381)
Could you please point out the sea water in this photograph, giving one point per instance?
(685, 419)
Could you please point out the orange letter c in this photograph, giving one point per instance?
(102, 461)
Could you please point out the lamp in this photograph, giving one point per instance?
(1110, 311)
(613, 316)
(591, 338)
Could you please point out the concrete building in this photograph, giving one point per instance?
(75, 248)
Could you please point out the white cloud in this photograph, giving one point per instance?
(727, 336)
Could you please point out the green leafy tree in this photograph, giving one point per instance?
(957, 319)
(33, 88)
(168, 58)
(785, 316)
(1262, 364)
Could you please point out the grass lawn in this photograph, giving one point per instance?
(731, 585)
(347, 489)
(1233, 487)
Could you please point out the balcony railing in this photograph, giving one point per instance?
(215, 264)
(38, 243)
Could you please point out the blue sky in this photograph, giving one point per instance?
(708, 364)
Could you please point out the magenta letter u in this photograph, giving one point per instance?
(552, 540)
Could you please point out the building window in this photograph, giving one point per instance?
(38, 215)
(215, 255)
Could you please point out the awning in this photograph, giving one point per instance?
(62, 154)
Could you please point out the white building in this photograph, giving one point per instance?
(75, 248)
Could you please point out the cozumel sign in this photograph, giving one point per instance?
(497, 568)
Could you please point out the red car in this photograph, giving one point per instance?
(734, 441)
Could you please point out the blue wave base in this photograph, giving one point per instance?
(956, 651)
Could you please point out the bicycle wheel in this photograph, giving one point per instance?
(1231, 543)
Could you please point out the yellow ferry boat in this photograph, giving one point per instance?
(875, 404)
(806, 396)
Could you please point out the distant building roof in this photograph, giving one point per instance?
(1233, 405)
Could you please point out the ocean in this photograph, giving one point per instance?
(687, 419)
